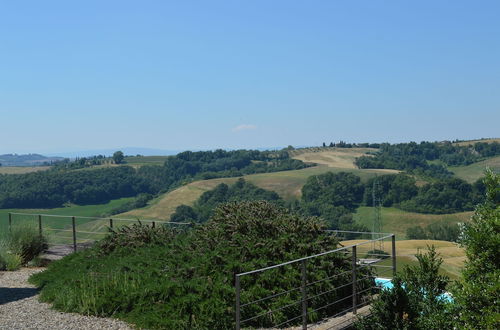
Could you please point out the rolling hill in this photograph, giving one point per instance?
(287, 184)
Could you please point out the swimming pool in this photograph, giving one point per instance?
(385, 283)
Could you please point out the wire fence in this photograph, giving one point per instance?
(321, 286)
(78, 231)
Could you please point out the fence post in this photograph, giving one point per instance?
(74, 233)
(10, 222)
(354, 291)
(40, 224)
(393, 255)
(154, 224)
(304, 293)
(238, 288)
(110, 223)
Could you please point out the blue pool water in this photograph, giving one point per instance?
(385, 283)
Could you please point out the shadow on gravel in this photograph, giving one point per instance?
(8, 295)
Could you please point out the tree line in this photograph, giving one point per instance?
(65, 184)
(416, 157)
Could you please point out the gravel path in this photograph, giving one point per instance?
(20, 308)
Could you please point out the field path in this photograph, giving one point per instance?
(20, 308)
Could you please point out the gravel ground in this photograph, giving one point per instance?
(20, 308)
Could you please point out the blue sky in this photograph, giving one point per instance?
(245, 74)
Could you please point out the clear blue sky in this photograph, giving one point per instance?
(244, 74)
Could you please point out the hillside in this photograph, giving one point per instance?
(26, 160)
(472, 172)
(287, 184)
(21, 169)
(397, 221)
(471, 142)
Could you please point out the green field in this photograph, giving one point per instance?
(472, 172)
(145, 160)
(61, 223)
(397, 221)
(21, 169)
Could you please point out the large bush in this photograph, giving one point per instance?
(186, 280)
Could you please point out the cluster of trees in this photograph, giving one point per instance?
(414, 158)
(204, 207)
(416, 299)
(77, 163)
(335, 197)
(54, 188)
(64, 184)
(440, 231)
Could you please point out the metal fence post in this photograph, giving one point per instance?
(74, 233)
(354, 291)
(304, 293)
(393, 255)
(110, 223)
(40, 224)
(237, 285)
(10, 222)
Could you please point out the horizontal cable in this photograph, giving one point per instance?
(287, 321)
(269, 297)
(308, 257)
(333, 303)
(272, 311)
(327, 278)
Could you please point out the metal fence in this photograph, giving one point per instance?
(77, 231)
(321, 294)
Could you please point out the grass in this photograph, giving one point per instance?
(22, 169)
(472, 142)
(287, 184)
(453, 255)
(472, 172)
(60, 223)
(145, 160)
(332, 157)
(398, 221)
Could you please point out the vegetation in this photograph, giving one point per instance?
(58, 186)
(208, 201)
(415, 158)
(19, 246)
(118, 157)
(477, 294)
(436, 231)
(156, 278)
(334, 197)
(415, 301)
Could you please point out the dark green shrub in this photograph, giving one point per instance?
(185, 280)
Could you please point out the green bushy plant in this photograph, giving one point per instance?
(20, 245)
(185, 280)
(415, 301)
(477, 294)
(26, 241)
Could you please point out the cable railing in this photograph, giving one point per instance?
(319, 293)
(78, 231)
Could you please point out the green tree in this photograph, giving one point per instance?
(478, 292)
(118, 157)
(415, 301)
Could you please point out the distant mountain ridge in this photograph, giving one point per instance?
(26, 160)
